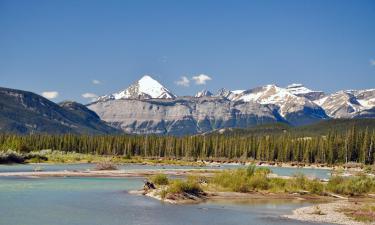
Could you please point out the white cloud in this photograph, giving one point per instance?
(92, 96)
(201, 79)
(184, 81)
(372, 62)
(50, 94)
(96, 82)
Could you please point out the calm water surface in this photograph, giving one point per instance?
(105, 201)
(319, 173)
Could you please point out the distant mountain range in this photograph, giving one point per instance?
(147, 107)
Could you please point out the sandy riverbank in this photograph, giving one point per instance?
(331, 212)
(107, 173)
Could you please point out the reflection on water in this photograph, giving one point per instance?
(104, 201)
(319, 173)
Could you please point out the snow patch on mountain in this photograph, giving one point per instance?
(274, 95)
(342, 104)
(298, 89)
(302, 91)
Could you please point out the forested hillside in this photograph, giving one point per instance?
(353, 145)
(316, 129)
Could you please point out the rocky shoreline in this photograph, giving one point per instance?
(331, 212)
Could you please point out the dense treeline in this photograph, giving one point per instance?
(351, 146)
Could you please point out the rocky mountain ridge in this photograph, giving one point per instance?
(24, 112)
(168, 114)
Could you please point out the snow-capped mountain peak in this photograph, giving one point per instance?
(268, 94)
(302, 91)
(144, 88)
(298, 89)
(274, 95)
(203, 93)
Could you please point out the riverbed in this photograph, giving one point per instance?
(281, 171)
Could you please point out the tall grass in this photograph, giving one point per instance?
(352, 186)
(243, 180)
(252, 179)
(159, 179)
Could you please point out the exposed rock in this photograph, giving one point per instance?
(182, 115)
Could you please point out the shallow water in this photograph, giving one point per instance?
(104, 201)
(319, 173)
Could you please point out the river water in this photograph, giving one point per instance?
(105, 201)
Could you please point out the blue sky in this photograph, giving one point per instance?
(63, 46)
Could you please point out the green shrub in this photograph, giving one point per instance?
(180, 187)
(250, 170)
(259, 182)
(315, 187)
(278, 184)
(243, 180)
(300, 181)
(159, 179)
(263, 171)
(351, 185)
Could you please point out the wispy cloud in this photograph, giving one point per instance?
(91, 96)
(372, 62)
(96, 82)
(50, 94)
(201, 79)
(184, 81)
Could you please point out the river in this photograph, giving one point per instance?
(105, 201)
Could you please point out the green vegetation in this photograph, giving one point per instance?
(317, 129)
(353, 145)
(10, 156)
(241, 180)
(182, 187)
(159, 179)
(353, 186)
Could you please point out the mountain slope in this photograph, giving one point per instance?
(25, 112)
(180, 116)
(296, 110)
(340, 105)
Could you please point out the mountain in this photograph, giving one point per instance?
(230, 95)
(365, 97)
(302, 91)
(145, 88)
(25, 112)
(183, 115)
(294, 109)
(203, 93)
(148, 107)
(342, 104)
